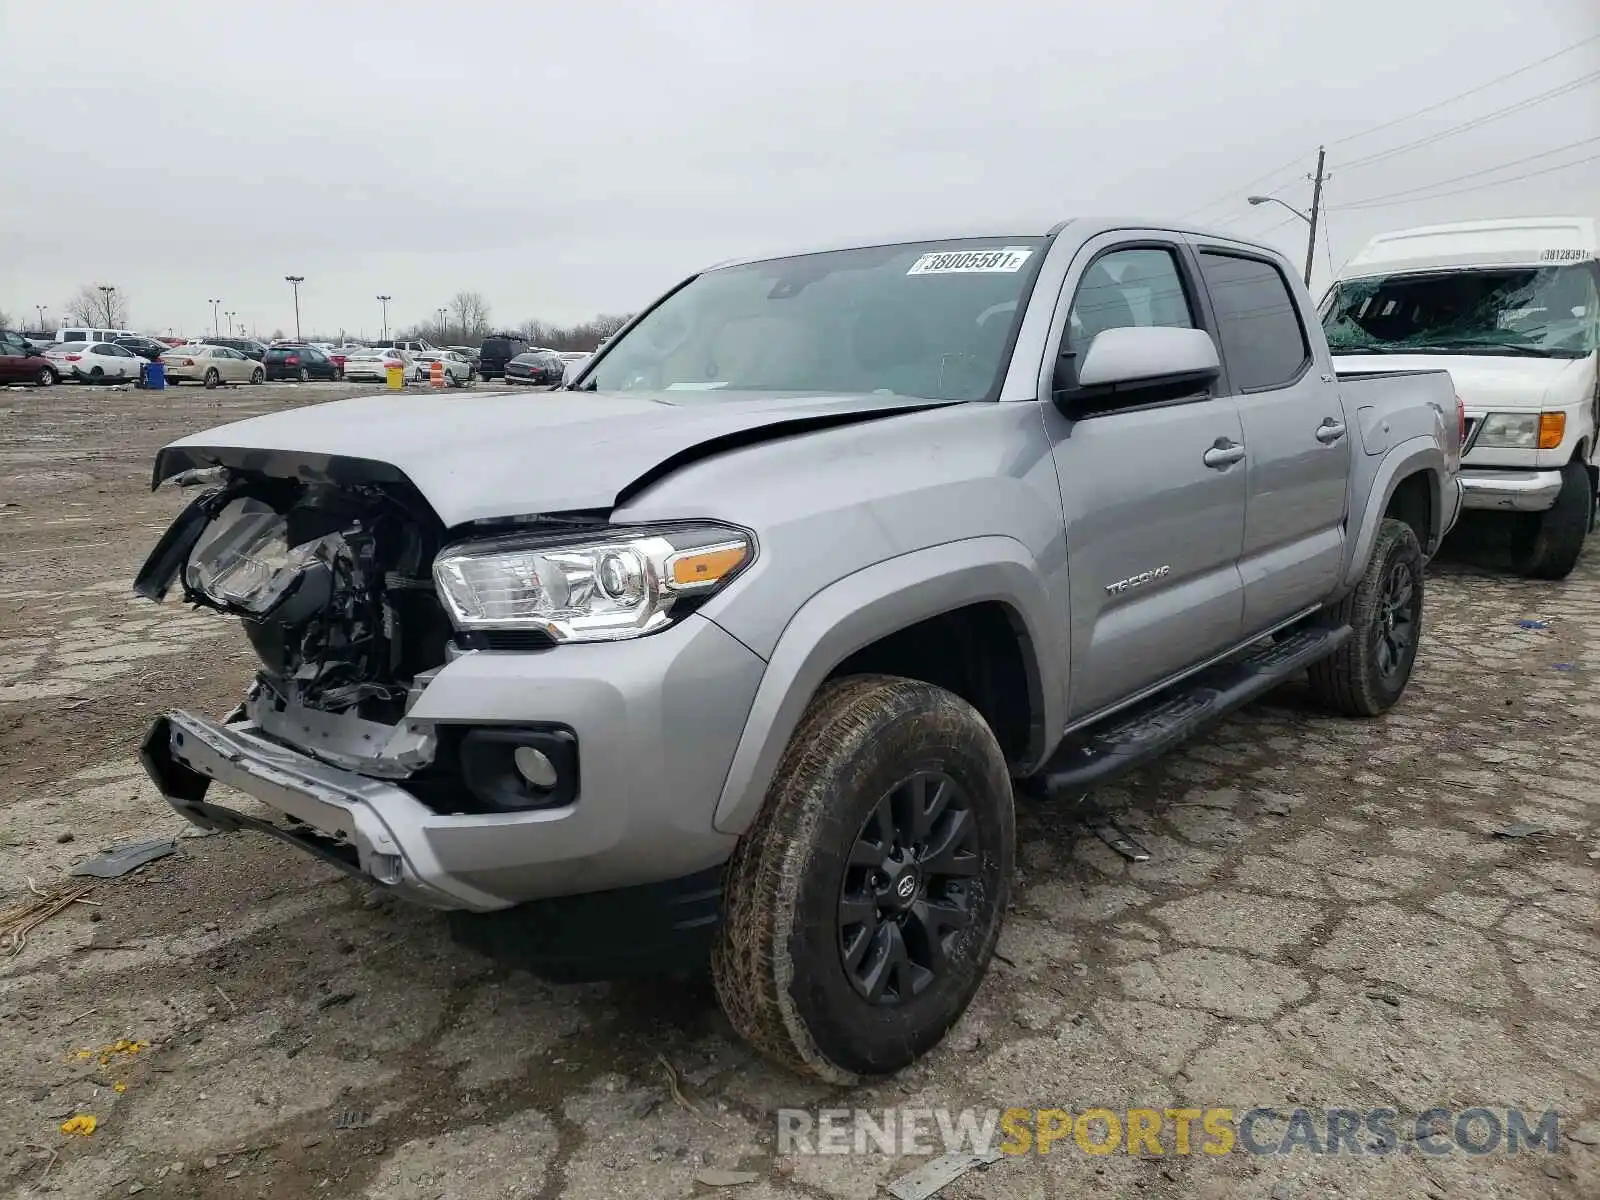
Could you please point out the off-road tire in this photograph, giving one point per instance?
(1549, 544)
(1349, 681)
(211, 378)
(778, 963)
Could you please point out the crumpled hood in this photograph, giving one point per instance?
(1486, 384)
(515, 453)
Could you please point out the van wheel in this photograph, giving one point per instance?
(1369, 673)
(862, 906)
(1548, 545)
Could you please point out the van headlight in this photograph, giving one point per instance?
(618, 584)
(1523, 431)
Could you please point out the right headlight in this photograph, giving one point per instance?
(1523, 431)
(614, 584)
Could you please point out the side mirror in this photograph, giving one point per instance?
(1145, 358)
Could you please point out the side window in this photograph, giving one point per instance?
(73, 335)
(1128, 288)
(1263, 341)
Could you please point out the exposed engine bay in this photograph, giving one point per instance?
(332, 583)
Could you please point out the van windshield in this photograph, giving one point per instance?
(932, 319)
(1543, 312)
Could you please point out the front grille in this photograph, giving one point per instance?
(519, 640)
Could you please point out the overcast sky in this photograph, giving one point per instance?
(571, 159)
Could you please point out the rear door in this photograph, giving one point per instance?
(13, 357)
(1296, 438)
(1153, 530)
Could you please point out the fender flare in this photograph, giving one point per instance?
(1421, 453)
(870, 604)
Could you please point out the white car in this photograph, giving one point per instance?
(94, 362)
(374, 364)
(458, 369)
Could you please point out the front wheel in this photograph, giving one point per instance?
(258, 376)
(96, 375)
(1548, 545)
(862, 906)
(1368, 674)
(303, 375)
(47, 377)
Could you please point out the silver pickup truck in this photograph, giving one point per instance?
(739, 642)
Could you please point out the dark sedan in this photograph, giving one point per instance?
(296, 360)
(538, 366)
(146, 348)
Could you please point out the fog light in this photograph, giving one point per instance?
(535, 766)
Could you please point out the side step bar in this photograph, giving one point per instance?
(1129, 739)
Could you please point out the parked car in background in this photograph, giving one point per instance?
(249, 347)
(470, 353)
(574, 361)
(458, 371)
(22, 362)
(412, 346)
(302, 361)
(499, 349)
(211, 365)
(375, 364)
(95, 362)
(536, 366)
(146, 348)
(1511, 308)
(79, 333)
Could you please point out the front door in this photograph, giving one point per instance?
(1295, 433)
(1153, 490)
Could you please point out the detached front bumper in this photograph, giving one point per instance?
(343, 818)
(1509, 490)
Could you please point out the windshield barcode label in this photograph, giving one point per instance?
(972, 262)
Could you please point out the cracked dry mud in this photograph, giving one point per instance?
(1327, 920)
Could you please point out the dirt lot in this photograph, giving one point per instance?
(1327, 920)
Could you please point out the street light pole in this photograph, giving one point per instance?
(443, 333)
(1316, 209)
(105, 290)
(295, 281)
(384, 300)
(214, 328)
(43, 308)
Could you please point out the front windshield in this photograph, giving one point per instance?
(929, 319)
(1545, 312)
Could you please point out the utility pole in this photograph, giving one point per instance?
(384, 300)
(295, 281)
(215, 330)
(1316, 211)
(105, 290)
(443, 335)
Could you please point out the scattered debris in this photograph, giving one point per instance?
(1527, 623)
(352, 1118)
(1277, 808)
(227, 999)
(726, 1178)
(1519, 829)
(88, 1012)
(121, 860)
(931, 1176)
(63, 837)
(1104, 826)
(1565, 667)
(17, 923)
(678, 1097)
(335, 999)
(83, 1125)
(1388, 998)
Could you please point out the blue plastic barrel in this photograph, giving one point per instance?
(155, 375)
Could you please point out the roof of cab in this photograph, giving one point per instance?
(1507, 241)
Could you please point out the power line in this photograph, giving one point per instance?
(1229, 195)
(1428, 187)
(1472, 91)
(1577, 162)
(1474, 123)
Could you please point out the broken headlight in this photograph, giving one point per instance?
(618, 584)
(243, 560)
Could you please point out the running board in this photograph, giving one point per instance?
(1151, 728)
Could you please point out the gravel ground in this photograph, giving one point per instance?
(1327, 920)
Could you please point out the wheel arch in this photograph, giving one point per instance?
(1415, 470)
(889, 614)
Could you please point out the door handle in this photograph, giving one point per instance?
(1330, 431)
(1223, 454)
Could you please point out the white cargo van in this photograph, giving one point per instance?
(1511, 308)
(82, 333)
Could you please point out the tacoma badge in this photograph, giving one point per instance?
(1139, 580)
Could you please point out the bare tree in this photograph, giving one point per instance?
(469, 316)
(5, 319)
(585, 335)
(92, 306)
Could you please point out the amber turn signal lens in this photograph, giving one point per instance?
(1552, 428)
(695, 568)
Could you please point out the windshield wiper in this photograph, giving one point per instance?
(1515, 348)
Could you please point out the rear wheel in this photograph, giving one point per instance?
(96, 375)
(1548, 545)
(303, 375)
(212, 378)
(862, 906)
(1369, 673)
